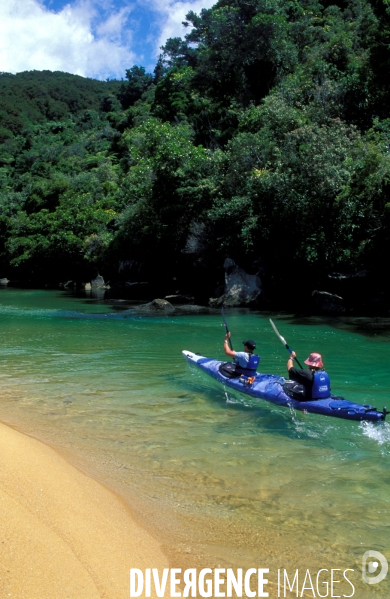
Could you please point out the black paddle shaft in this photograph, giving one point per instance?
(226, 328)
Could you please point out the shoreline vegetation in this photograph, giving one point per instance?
(63, 533)
(262, 136)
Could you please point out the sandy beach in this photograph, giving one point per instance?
(62, 534)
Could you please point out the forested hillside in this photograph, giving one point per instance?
(263, 136)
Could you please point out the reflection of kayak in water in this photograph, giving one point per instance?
(280, 391)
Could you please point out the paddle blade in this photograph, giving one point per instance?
(282, 339)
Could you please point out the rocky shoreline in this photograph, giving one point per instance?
(339, 294)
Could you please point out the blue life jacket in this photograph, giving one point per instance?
(251, 367)
(321, 385)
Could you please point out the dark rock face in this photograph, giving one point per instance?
(179, 299)
(126, 290)
(363, 292)
(337, 276)
(328, 302)
(241, 289)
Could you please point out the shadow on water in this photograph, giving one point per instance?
(118, 309)
(366, 326)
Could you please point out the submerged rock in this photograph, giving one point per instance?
(157, 305)
(193, 309)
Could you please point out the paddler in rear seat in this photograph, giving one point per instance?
(246, 361)
(314, 379)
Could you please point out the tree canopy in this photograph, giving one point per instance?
(265, 129)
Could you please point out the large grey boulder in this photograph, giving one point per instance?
(328, 302)
(4, 281)
(98, 283)
(241, 289)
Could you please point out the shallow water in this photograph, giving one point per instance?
(222, 479)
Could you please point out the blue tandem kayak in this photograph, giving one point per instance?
(273, 388)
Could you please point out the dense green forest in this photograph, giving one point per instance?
(262, 136)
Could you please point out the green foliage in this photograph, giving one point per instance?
(40, 96)
(265, 128)
(163, 191)
(174, 95)
(138, 81)
(58, 184)
(313, 186)
(59, 237)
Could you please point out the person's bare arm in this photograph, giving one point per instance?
(229, 352)
(290, 361)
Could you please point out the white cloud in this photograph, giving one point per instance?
(114, 27)
(35, 38)
(89, 37)
(173, 13)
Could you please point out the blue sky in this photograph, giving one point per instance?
(92, 38)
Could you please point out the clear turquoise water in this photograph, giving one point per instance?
(220, 478)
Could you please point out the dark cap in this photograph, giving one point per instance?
(250, 344)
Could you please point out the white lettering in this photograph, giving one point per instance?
(190, 580)
(160, 589)
(232, 581)
(140, 582)
(218, 581)
(262, 581)
(174, 582)
(288, 582)
(332, 581)
(304, 588)
(209, 584)
(147, 582)
(323, 582)
(247, 585)
(347, 579)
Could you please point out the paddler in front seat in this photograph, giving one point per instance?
(314, 379)
(246, 361)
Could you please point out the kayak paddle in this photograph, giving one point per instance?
(282, 339)
(226, 328)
